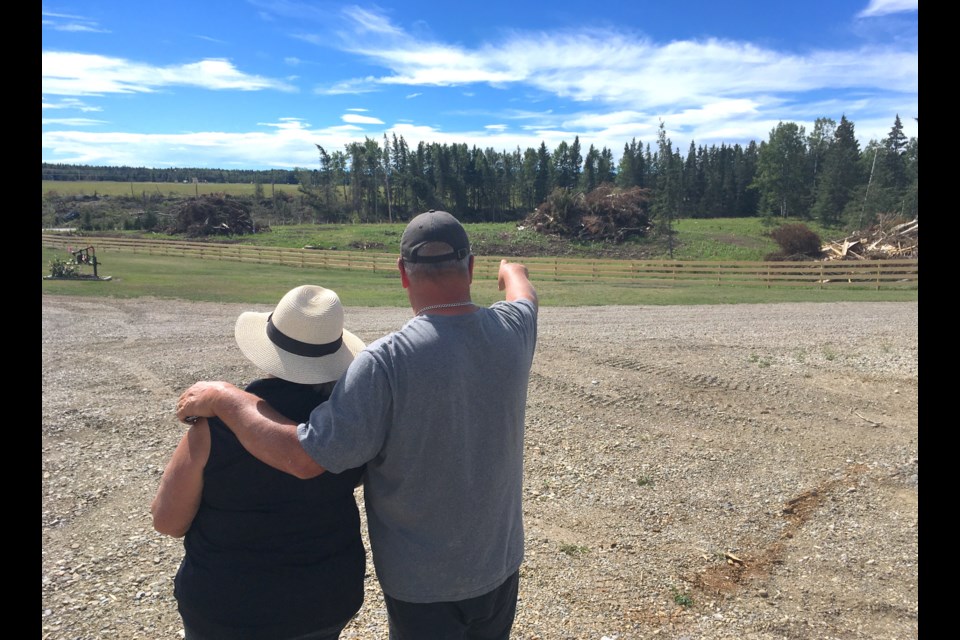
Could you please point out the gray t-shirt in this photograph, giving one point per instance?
(436, 411)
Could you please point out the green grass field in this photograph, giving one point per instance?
(139, 275)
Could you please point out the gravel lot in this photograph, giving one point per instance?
(735, 471)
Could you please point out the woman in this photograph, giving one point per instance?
(268, 556)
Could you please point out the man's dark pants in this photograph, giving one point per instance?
(486, 617)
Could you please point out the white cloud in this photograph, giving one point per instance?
(884, 7)
(81, 74)
(291, 143)
(353, 118)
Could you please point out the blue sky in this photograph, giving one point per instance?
(257, 84)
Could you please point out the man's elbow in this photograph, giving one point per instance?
(169, 528)
(172, 532)
(305, 468)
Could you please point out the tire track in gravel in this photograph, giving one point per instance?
(580, 395)
(699, 380)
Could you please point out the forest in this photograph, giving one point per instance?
(821, 174)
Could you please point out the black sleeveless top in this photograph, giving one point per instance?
(269, 555)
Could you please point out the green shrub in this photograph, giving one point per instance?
(796, 241)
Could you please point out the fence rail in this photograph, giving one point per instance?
(874, 274)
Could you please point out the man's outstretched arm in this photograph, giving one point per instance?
(265, 433)
(514, 281)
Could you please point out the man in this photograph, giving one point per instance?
(436, 411)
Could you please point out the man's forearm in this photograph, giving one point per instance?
(515, 282)
(265, 433)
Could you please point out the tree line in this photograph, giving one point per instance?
(822, 174)
(93, 173)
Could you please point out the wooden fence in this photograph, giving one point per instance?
(873, 274)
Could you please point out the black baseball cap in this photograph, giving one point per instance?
(434, 228)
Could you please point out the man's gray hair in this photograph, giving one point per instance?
(436, 269)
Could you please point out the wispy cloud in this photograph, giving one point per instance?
(69, 103)
(211, 39)
(885, 7)
(349, 87)
(72, 122)
(81, 74)
(69, 22)
(620, 68)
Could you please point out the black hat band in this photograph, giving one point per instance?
(297, 348)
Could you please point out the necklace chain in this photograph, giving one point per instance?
(445, 305)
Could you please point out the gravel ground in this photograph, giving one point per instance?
(734, 471)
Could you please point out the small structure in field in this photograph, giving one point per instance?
(61, 269)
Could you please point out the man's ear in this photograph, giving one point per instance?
(470, 268)
(404, 279)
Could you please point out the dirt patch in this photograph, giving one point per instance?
(730, 471)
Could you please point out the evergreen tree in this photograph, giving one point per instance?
(780, 172)
(528, 183)
(605, 167)
(887, 192)
(563, 173)
(576, 159)
(818, 142)
(632, 168)
(894, 148)
(590, 178)
(668, 191)
(541, 185)
(911, 206)
(841, 175)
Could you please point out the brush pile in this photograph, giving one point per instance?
(883, 241)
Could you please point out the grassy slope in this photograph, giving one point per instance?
(727, 239)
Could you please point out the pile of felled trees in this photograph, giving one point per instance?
(211, 215)
(885, 240)
(606, 214)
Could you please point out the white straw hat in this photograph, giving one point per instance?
(303, 340)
